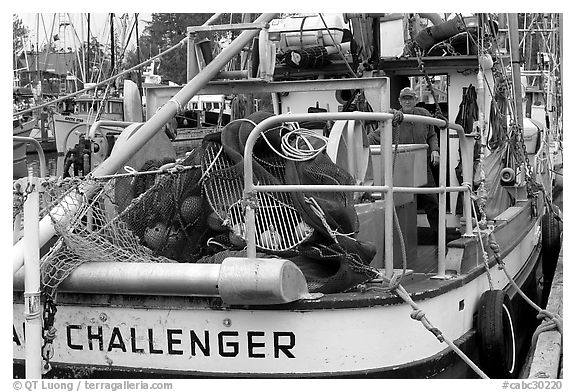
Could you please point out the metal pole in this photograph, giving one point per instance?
(112, 43)
(32, 307)
(442, 205)
(387, 169)
(515, 56)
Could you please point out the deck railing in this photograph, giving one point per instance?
(388, 188)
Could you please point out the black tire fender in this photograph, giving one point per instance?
(496, 335)
(551, 242)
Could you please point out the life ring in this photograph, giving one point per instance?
(551, 242)
(496, 339)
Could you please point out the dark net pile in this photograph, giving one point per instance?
(194, 213)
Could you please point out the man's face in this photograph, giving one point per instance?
(407, 103)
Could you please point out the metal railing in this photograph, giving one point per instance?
(388, 188)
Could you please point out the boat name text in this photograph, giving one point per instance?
(178, 341)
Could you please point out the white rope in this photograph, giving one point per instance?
(294, 151)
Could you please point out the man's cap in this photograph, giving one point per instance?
(407, 92)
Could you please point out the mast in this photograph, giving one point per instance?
(515, 58)
(88, 52)
(139, 71)
(112, 44)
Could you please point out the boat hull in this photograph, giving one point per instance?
(340, 335)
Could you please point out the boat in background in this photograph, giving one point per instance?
(77, 114)
(287, 246)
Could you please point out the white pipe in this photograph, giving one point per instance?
(442, 205)
(387, 169)
(276, 281)
(32, 306)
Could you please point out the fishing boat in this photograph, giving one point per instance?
(286, 245)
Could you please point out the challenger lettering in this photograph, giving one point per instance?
(176, 341)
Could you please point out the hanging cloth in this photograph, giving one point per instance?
(498, 114)
(467, 115)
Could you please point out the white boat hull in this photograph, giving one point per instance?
(184, 336)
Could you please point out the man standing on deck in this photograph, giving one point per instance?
(407, 132)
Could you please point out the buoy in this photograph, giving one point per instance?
(215, 223)
(270, 239)
(156, 236)
(495, 332)
(302, 231)
(191, 209)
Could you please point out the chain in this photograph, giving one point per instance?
(20, 196)
(18, 200)
(48, 332)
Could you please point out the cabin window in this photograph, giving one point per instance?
(115, 107)
(439, 84)
(216, 105)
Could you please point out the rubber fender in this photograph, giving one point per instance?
(496, 335)
(551, 241)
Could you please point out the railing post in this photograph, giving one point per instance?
(467, 180)
(442, 204)
(387, 169)
(32, 307)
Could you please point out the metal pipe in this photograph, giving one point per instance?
(32, 306)
(388, 170)
(356, 188)
(39, 150)
(442, 205)
(515, 58)
(277, 281)
(140, 279)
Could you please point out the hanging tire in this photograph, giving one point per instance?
(551, 242)
(496, 339)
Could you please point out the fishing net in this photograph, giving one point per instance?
(193, 211)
